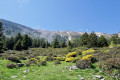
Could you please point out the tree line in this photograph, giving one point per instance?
(23, 42)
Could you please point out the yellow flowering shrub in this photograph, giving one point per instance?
(106, 51)
(33, 59)
(88, 57)
(75, 59)
(44, 58)
(69, 59)
(71, 54)
(60, 58)
(88, 51)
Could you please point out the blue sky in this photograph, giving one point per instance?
(61, 15)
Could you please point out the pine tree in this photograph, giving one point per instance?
(47, 44)
(84, 39)
(102, 41)
(18, 45)
(55, 43)
(1, 38)
(62, 44)
(69, 45)
(92, 40)
(25, 42)
(115, 39)
(18, 37)
(10, 43)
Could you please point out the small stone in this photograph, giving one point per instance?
(25, 71)
(74, 67)
(82, 78)
(24, 76)
(94, 78)
(62, 71)
(98, 76)
(79, 75)
(103, 79)
(13, 76)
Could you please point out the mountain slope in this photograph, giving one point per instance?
(11, 29)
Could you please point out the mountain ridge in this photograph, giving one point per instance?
(12, 28)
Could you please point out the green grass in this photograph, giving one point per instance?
(48, 72)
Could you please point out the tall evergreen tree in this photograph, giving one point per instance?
(69, 45)
(115, 39)
(92, 40)
(10, 43)
(84, 39)
(18, 45)
(25, 42)
(102, 41)
(55, 43)
(62, 44)
(18, 37)
(1, 38)
(47, 44)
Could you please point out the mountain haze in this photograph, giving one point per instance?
(12, 28)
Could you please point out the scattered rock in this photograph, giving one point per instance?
(67, 67)
(74, 67)
(26, 71)
(24, 76)
(94, 78)
(82, 78)
(98, 76)
(63, 71)
(13, 76)
(79, 75)
(103, 79)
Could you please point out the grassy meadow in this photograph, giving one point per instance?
(51, 71)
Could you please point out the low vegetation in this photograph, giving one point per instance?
(87, 58)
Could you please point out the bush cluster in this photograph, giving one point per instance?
(57, 62)
(11, 65)
(59, 58)
(88, 57)
(32, 61)
(73, 54)
(48, 58)
(69, 59)
(82, 64)
(107, 65)
(14, 59)
(88, 51)
(42, 63)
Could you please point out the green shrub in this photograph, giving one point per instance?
(60, 58)
(49, 58)
(14, 59)
(11, 65)
(108, 64)
(28, 63)
(82, 64)
(42, 63)
(75, 59)
(33, 61)
(57, 62)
